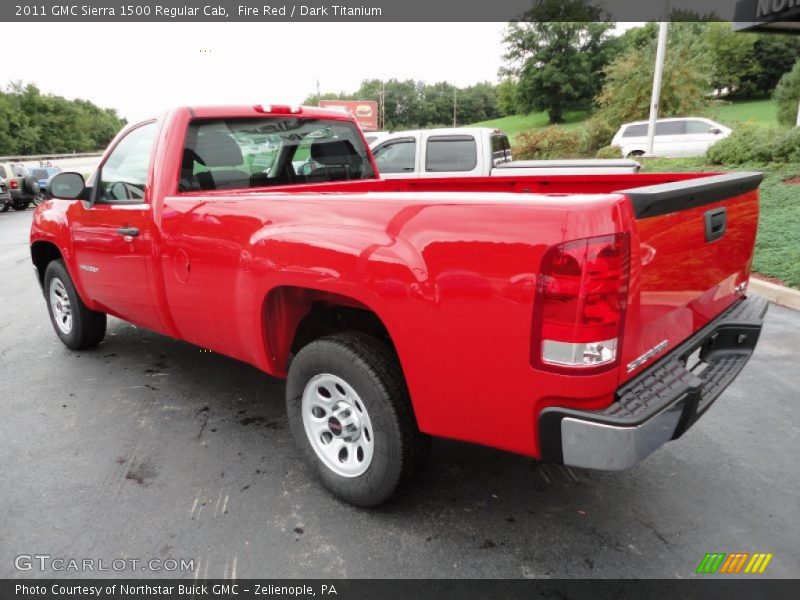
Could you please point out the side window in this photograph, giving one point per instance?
(226, 154)
(123, 176)
(396, 156)
(698, 127)
(671, 128)
(451, 153)
(635, 131)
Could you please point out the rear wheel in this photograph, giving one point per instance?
(40, 199)
(75, 324)
(3, 207)
(21, 205)
(350, 414)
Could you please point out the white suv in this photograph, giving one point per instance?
(685, 136)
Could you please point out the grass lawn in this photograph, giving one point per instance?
(760, 112)
(516, 124)
(778, 243)
(757, 112)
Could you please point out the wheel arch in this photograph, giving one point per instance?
(293, 316)
(43, 253)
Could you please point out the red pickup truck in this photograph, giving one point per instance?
(584, 320)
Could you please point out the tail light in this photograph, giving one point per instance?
(580, 305)
(12, 183)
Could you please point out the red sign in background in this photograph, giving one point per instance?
(365, 111)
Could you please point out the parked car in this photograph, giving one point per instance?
(690, 136)
(472, 152)
(373, 137)
(5, 196)
(578, 320)
(23, 186)
(42, 175)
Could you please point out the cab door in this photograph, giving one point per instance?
(701, 136)
(113, 234)
(671, 139)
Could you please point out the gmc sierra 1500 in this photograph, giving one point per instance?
(585, 320)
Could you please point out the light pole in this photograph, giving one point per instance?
(659, 71)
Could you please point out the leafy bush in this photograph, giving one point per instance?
(599, 132)
(787, 96)
(547, 143)
(748, 143)
(787, 147)
(609, 152)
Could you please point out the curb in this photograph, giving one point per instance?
(778, 294)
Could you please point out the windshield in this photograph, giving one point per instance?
(247, 153)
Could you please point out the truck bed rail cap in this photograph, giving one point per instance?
(664, 198)
(577, 162)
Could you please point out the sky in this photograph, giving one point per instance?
(142, 69)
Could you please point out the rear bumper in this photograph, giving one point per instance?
(18, 195)
(661, 403)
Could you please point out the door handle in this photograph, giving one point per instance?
(128, 231)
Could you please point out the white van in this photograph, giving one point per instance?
(685, 136)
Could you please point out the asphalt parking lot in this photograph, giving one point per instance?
(150, 448)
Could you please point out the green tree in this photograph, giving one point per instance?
(787, 96)
(774, 56)
(557, 53)
(36, 123)
(685, 84)
(409, 104)
(507, 97)
(731, 56)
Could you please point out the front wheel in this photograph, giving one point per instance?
(74, 323)
(39, 199)
(350, 413)
(4, 207)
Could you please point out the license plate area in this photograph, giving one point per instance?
(694, 363)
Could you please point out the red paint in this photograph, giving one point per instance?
(450, 266)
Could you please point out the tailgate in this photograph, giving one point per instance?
(691, 256)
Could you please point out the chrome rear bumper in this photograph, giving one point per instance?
(661, 403)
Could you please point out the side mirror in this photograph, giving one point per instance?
(714, 131)
(67, 186)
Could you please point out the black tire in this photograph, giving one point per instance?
(3, 207)
(30, 185)
(635, 154)
(21, 205)
(39, 199)
(88, 327)
(373, 371)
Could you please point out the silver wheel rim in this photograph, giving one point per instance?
(337, 425)
(59, 304)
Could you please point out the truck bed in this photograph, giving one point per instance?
(680, 280)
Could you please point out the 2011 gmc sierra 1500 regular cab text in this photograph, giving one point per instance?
(585, 320)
